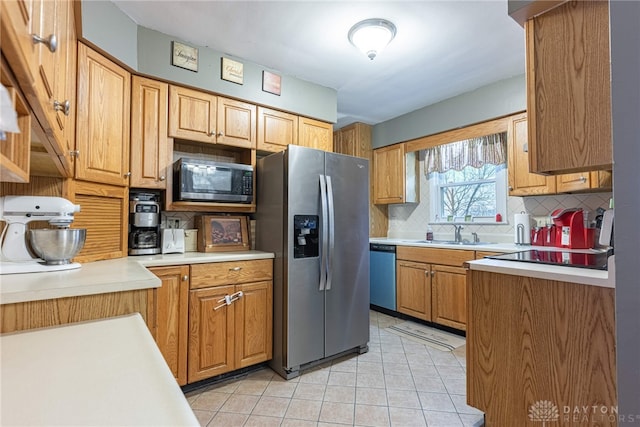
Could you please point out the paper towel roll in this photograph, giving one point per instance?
(522, 229)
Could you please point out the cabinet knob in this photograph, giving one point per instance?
(74, 153)
(212, 133)
(162, 178)
(185, 278)
(510, 188)
(235, 269)
(583, 179)
(127, 175)
(65, 106)
(51, 42)
(220, 134)
(433, 273)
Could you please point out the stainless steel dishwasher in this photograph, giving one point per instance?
(383, 275)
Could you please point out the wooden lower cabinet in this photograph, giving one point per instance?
(431, 284)
(414, 289)
(449, 296)
(169, 324)
(60, 311)
(223, 338)
(534, 341)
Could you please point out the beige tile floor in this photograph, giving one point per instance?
(397, 383)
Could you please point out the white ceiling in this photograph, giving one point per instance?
(442, 48)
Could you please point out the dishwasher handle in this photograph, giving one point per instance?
(381, 247)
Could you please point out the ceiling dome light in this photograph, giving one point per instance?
(372, 35)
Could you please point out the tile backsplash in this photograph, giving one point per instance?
(410, 221)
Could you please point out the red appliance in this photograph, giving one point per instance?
(570, 230)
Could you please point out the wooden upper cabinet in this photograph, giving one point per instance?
(192, 115)
(14, 151)
(585, 181)
(102, 132)
(236, 123)
(315, 134)
(389, 174)
(353, 140)
(521, 182)
(276, 130)
(568, 88)
(200, 116)
(150, 161)
(45, 70)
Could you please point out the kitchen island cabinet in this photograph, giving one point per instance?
(534, 342)
(230, 317)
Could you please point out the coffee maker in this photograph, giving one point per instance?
(144, 223)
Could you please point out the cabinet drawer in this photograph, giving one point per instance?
(454, 257)
(227, 273)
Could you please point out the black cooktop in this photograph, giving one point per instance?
(596, 261)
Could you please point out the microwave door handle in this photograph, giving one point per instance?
(325, 242)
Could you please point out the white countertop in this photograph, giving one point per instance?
(105, 372)
(115, 275)
(541, 271)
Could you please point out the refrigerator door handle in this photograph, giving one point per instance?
(325, 243)
(331, 231)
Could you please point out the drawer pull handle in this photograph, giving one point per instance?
(235, 269)
(229, 299)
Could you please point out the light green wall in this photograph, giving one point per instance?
(149, 52)
(488, 102)
(104, 25)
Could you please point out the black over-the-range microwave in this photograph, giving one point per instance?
(211, 181)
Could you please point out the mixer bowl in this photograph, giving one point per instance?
(57, 245)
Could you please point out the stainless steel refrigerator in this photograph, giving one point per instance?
(313, 213)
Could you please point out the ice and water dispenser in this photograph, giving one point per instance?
(306, 238)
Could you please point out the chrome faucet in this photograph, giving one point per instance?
(458, 233)
(476, 239)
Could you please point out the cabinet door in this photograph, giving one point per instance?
(105, 214)
(15, 149)
(192, 115)
(149, 141)
(413, 285)
(315, 134)
(65, 85)
(569, 88)
(521, 182)
(254, 314)
(449, 296)
(236, 123)
(596, 180)
(171, 317)
(276, 130)
(102, 131)
(20, 19)
(211, 333)
(47, 26)
(388, 165)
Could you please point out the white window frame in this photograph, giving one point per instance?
(501, 200)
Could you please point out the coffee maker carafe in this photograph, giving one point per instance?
(144, 224)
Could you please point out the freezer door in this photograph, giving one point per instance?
(347, 294)
(304, 301)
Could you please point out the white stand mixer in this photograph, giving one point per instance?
(17, 212)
